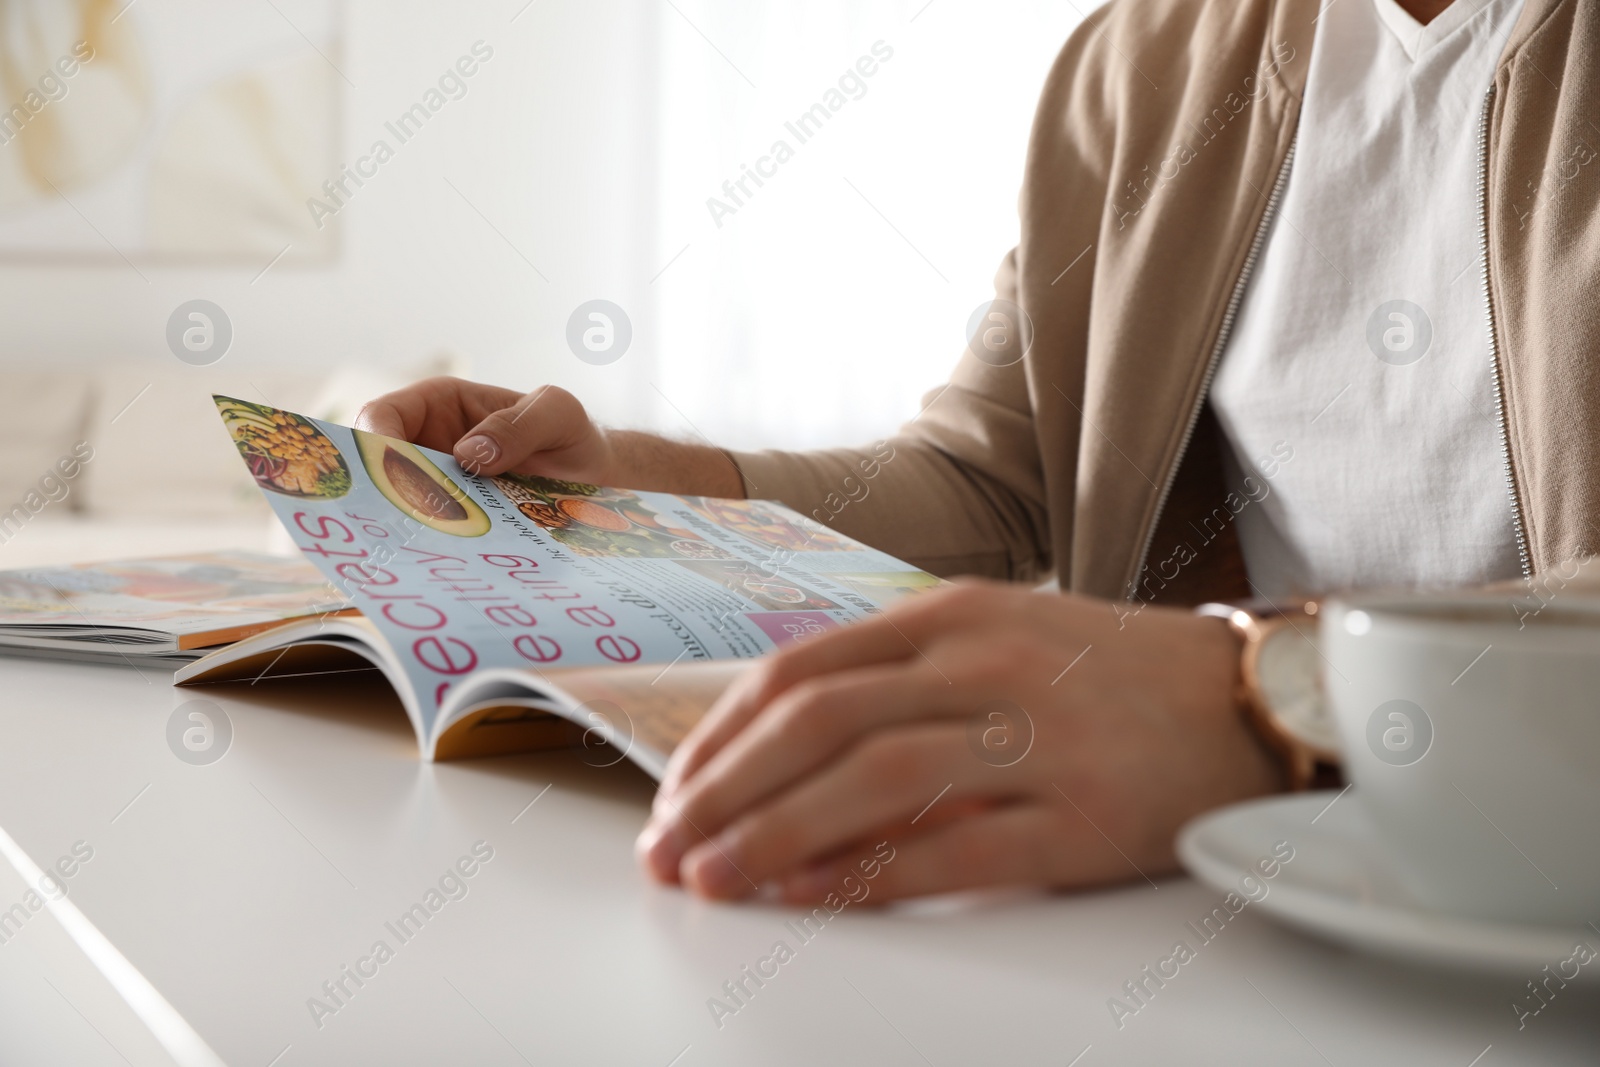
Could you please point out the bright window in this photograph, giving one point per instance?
(836, 292)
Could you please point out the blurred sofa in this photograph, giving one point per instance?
(131, 460)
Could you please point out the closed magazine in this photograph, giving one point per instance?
(170, 609)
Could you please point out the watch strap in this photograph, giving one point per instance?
(1304, 766)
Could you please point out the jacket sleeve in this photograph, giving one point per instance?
(957, 491)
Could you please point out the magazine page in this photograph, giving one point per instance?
(462, 573)
(177, 602)
(640, 712)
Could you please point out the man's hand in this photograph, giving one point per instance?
(491, 430)
(994, 735)
(546, 432)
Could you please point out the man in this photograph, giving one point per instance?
(1311, 304)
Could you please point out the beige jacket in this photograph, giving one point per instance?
(1156, 157)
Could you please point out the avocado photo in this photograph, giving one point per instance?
(415, 485)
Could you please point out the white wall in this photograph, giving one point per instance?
(591, 141)
(840, 292)
(544, 144)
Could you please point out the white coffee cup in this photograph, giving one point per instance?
(1471, 730)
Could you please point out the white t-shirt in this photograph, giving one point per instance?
(1361, 347)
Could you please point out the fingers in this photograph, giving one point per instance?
(434, 412)
(725, 719)
(886, 780)
(488, 429)
(387, 415)
(804, 728)
(1015, 845)
(549, 419)
(870, 641)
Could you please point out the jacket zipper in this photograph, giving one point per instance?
(1494, 342)
(1228, 318)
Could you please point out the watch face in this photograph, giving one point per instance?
(1289, 672)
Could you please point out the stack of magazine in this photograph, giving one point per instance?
(508, 613)
(165, 611)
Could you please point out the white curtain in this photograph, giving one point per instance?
(837, 291)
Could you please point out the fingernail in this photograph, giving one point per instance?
(658, 848)
(477, 451)
(708, 870)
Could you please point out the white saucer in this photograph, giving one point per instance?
(1338, 887)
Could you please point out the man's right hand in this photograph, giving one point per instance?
(546, 432)
(491, 430)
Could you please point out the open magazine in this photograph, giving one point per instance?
(511, 613)
(167, 610)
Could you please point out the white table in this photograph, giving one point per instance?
(239, 887)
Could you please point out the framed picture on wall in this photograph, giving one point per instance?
(168, 131)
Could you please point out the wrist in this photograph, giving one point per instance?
(609, 467)
(636, 460)
(1262, 767)
(1279, 694)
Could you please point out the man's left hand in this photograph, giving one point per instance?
(996, 736)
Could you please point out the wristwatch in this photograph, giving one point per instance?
(1280, 688)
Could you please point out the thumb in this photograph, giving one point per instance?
(547, 419)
